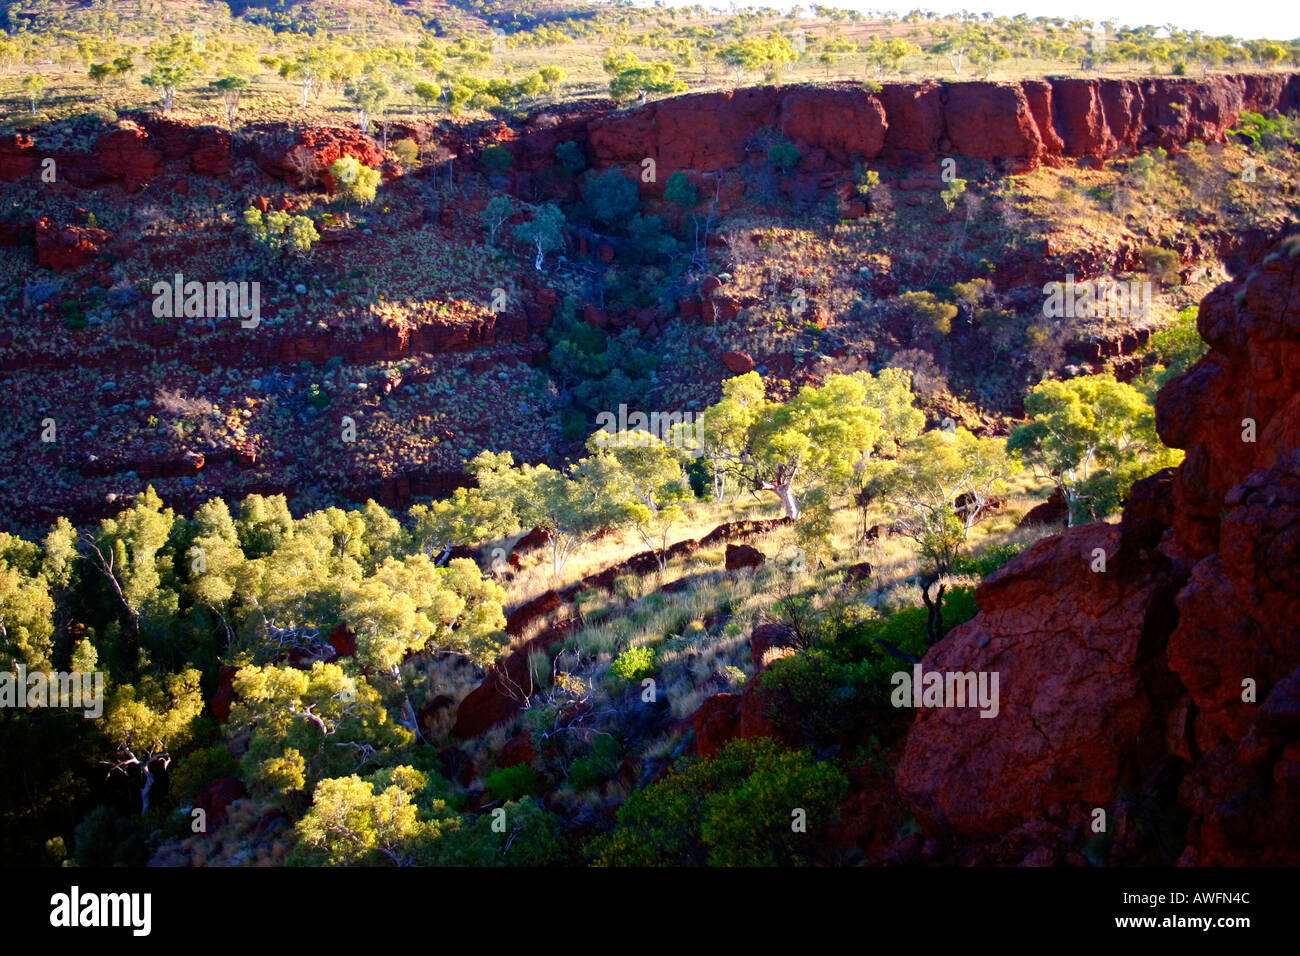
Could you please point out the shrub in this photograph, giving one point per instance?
(987, 561)
(512, 783)
(783, 157)
(612, 199)
(732, 810)
(532, 838)
(1161, 264)
(407, 151)
(812, 697)
(101, 115)
(569, 154)
(316, 396)
(200, 768)
(279, 231)
(930, 311)
(635, 663)
(952, 193)
(358, 183)
(598, 766)
(1175, 349)
(680, 191)
(497, 159)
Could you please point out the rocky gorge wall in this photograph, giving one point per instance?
(1125, 687)
(1018, 124)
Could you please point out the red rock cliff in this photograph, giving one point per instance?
(1022, 123)
(1124, 690)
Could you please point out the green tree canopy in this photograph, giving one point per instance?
(1093, 436)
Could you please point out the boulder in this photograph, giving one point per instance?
(506, 686)
(518, 749)
(1067, 646)
(1052, 511)
(767, 642)
(741, 556)
(519, 619)
(738, 363)
(343, 641)
(224, 696)
(716, 722)
(64, 248)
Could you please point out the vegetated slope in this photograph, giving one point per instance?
(1164, 688)
(394, 311)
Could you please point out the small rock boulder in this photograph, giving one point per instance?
(738, 363)
(770, 642)
(743, 556)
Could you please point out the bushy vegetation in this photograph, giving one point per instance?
(736, 809)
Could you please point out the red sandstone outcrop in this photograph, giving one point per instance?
(1177, 667)
(722, 718)
(305, 162)
(17, 156)
(215, 799)
(67, 247)
(508, 685)
(738, 363)
(1022, 124)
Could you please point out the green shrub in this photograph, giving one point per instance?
(101, 115)
(1161, 264)
(511, 783)
(732, 810)
(407, 151)
(569, 154)
(680, 190)
(73, 315)
(612, 199)
(357, 182)
(280, 231)
(497, 159)
(598, 766)
(783, 157)
(927, 308)
(532, 838)
(200, 768)
(317, 397)
(954, 191)
(812, 697)
(987, 561)
(635, 663)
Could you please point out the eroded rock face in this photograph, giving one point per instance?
(507, 686)
(305, 163)
(63, 248)
(1073, 709)
(1020, 124)
(1129, 689)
